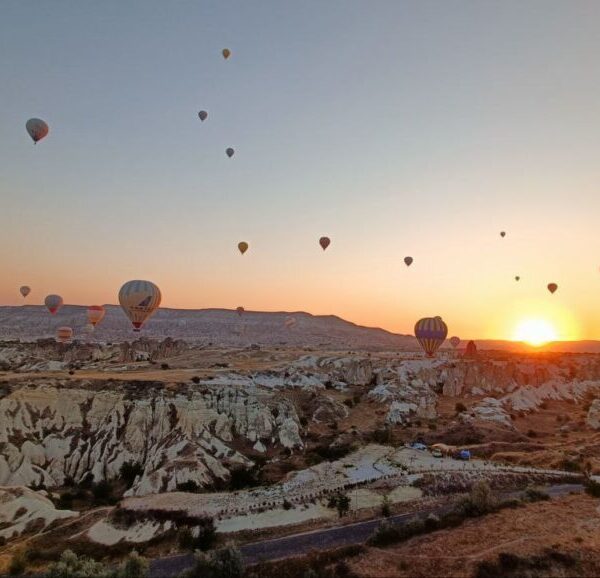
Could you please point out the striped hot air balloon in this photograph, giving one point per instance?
(25, 290)
(64, 334)
(455, 341)
(95, 314)
(53, 303)
(139, 300)
(431, 333)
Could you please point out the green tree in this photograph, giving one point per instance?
(343, 505)
(225, 562)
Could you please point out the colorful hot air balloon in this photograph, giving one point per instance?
(226, 53)
(203, 115)
(64, 334)
(139, 300)
(243, 247)
(408, 261)
(25, 290)
(431, 333)
(53, 303)
(95, 314)
(552, 287)
(229, 152)
(324, 242)
(37, 129)
(517, 278)
(455, 341)
(240, 310)
(503, 233)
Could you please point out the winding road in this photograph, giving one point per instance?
(324, 539)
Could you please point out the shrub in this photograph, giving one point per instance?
(188, 486)
(195, 379)
(460, 407)
(72, 566)
(481, 500)
(536, 495)
(386, 509)
(593, 488)
(18, 563)
(225, 562)
(164, 366)
(287, 505)
(134, 566)
(129, 471)
(204, 540)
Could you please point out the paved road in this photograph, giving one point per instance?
(324, 539)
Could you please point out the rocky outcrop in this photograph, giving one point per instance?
(150, 349)
(49, 434)
(593, 416)
(23, 510)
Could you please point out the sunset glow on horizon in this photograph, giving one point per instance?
(414, 129)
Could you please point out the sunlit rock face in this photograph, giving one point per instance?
(22, 510)
(593, 416)
(50, 433)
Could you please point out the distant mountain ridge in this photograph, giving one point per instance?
(226, 327)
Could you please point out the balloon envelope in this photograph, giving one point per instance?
(430, 333)
(240, 310)
(517, 278)
(95, 314)
(243, 247)
(226, 53)
(455, 341)
(229, 152)
(502, 233)
(139, 300)
(25, 290)
(53, 303)
(552, 287)
(324, 242)
(203, 115)
(64, 334)
(408, 261)
(37, 129)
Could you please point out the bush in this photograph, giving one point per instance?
(18, 563)
(549, 563)
(481, 500)
(188, 486)
(536, 495)
(386, 509)
(164, 366)
(72, 566)
(135, 566)
(196, 379)
(130, 471)
(460, 408)
(593, 488)
(204, 540)
(225, 562)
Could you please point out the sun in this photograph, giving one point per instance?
(536, 332)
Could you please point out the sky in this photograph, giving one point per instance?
(396, 128)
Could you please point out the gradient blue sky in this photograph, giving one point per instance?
(397, 128)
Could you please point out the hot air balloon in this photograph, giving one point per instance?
(290, 322)
(503, 233)
(25, 290)
(517, 278)
(324, 242)
(243, 247)
(95, 314)
(203, 115)
(139, 300)
(64, 334)
(37, 129)
(552, 287)
(229, 152)
(408, 261)
(455, 341)
(431, 333)
(240, 310)
(53, 303)
(226, 53)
